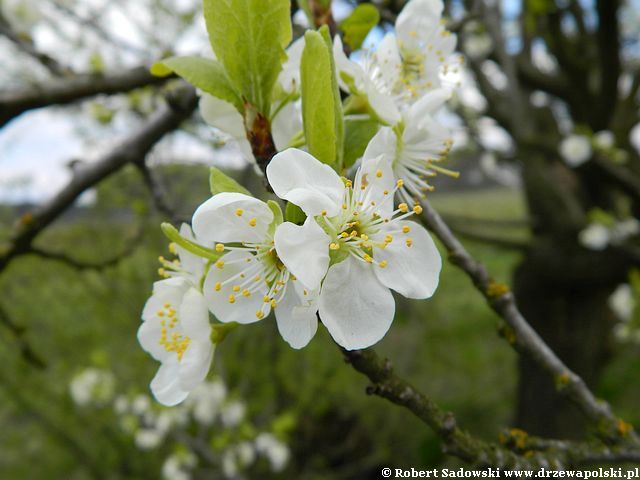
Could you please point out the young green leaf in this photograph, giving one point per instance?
(220, 182)
(206, 74)
(321, 107)
(357, 26)
(249, 38)
(358, 133)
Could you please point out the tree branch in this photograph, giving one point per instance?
(27, 352)
(131, 150)
(158, 194)
(522, 336)
(68, 90)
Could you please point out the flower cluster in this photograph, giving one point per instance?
(211, 416)
(352, 240)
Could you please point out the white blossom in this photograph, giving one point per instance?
(604, 139)
(595, 237)
(414, 147)
(148, 438)
(232, 413)
(206, 400)
(405, 65)
(253, 276)
(373, 248)
(176, 332)
(274, 450)
(575, 150)
(178, 466)
(92, 385)
(622, 302)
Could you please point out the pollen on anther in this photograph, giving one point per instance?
(232, 298)
(403, 207)
(344, 206)
(323, 213)
(334, 246)
(388, 239)
(236, 288)
(266, 299)
(400, 183)
(220, 264)
(253, 222)
(406, 229)
(219, 247)
(409, 242)
(367, 258)
(274, 304)
(383, 263)
(246, 293)
(417, 209)
(239, 212)
(260, 314)
(378, 173)
(218, 286)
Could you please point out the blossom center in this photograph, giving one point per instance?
(170, 336)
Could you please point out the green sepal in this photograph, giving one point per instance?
(294, 214)
(358, 134)
(219, 331)
(220, 182)
(174, 235)
(277, 216)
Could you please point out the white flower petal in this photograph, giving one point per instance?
(387, 56)
(165, 386)
(382, 143)
(286, 124)
(301, 179)
(296, 315)
(411, 271)
(354, 306)
(290, 76)
(222, 115)
(304, 250)
(190, 263)
(377, 176)
(243, 309)
(418, 18)
(195, 363)
(194, 316)
(232, 217)
(427, 105)
(383, 105)
(149, 339)
(346, 66)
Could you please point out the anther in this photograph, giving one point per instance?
(403, 207)
(232, 298)
(406, 229)
(378, 173)
(220, 264)
(253, 222)
(383, 264)
(417, 209)
(218, 286)
(260, 314)
(334, 246)
(409, 242)
(246, 293)
(236, 288)
(239, 212)
(219, 247)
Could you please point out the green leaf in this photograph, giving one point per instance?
(358, 133)
(321, 108)
(174, 235)
(277, 215)
(220, 182)
(249, 38)
(357, 26)
(294, 214)
(206, 74)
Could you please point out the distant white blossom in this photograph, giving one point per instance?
(595, 237)
(604, 139)
(575, 150)
(92, 385)
(622, 302)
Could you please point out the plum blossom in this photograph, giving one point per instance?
(373, 248)
(622, 302)
(176, 332)
(414, 147)
(175, 328)
(575, 150)
(404, 66)
(254, 274)
(92, 385)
